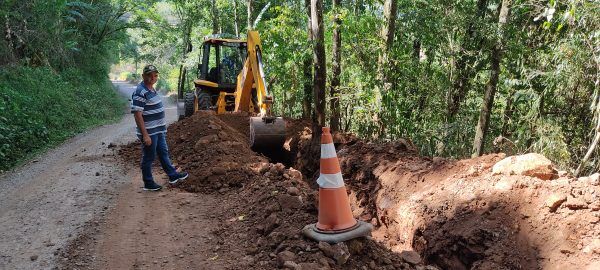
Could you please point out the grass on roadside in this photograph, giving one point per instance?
(39, 109)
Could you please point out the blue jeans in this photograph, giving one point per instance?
(149, 152)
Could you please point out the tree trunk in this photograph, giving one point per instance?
(596, 109)
(249, 7)
(180, 80)
(349, 112)
(336, 69)
(508, 112)
(383, 66)
(490, 91)
(307, 71)
(464, 71)
(307, 95)
(187, 47)
(319, 70)
(235, 19)
(358, 7)
(319, 77)
(215, 17)
(414, 88)
(416, 50)
(423, 95)
(387, 33)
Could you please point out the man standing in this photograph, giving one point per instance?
(149, 114)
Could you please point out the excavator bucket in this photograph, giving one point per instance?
(267, 134)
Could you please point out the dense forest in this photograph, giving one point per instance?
(458, 78)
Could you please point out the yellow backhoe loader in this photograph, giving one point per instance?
(231, 78)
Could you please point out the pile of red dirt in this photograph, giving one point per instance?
(454, 214)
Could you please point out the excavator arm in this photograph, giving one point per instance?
(252, 77)
(266, 131)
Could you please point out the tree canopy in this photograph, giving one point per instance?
(413, 69)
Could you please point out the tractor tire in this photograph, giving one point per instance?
(204, 101)
(189, 104)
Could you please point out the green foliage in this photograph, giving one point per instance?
(549, 67)
(284, 57)
(54, 62)
(39, 109)
(130, 77)
(163, 85)
(551, 143)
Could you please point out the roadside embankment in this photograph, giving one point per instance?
(40, 108)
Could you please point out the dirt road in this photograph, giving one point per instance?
(47, 203)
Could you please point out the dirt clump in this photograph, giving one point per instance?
(531, 164)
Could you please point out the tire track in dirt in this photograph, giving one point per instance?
(163, 230)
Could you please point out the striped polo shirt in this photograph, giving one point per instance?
(150, 104)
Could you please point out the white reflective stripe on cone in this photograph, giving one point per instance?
(328, 150)
(330, 180)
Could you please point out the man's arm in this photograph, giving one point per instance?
(139, 121)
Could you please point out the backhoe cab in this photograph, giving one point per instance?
(231, 79)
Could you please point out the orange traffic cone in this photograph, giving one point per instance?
(335, 223)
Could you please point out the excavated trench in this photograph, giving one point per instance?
(274, 154)
(414, 207)
(455, 252)
(446, 252)
(454, 214)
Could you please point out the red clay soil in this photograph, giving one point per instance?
(454, 214)
(457, 215)
(264, 205)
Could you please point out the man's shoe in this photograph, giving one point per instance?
(179, 177)
(152, 186)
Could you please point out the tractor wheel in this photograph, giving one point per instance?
(204, 101)
(189, 104)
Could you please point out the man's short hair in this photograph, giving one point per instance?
(149, 69)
